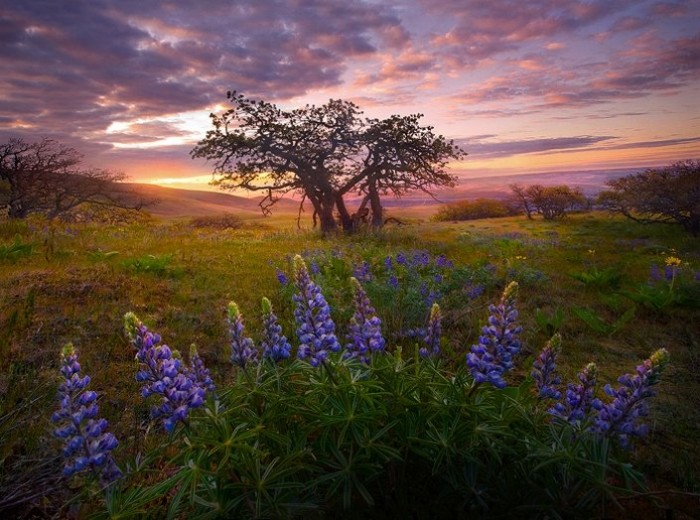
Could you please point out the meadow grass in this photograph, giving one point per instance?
(578, 277)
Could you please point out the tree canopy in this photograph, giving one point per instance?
(324, 153)
(670, 195)
(46, 177)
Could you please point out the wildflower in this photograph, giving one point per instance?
(432, 334)
(654, 274)
(315, 327)
(474, 291)
(314, 268)
(442, 262)
(274, 345)
(421, 258)
(365, 326)
(281, 277)
(493, 355)
(388, 263)
(673, 261)
(544, 370)
(163, 374)
(579, 397)
(362, 272)
(87, 444)
(243, 350)
(401, 259)
(198, 372)
(393, 282)
(620, 418)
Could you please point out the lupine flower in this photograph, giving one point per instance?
(421, 258)
(198, 372)
(365, 326)
(362, 272)
(544, 370)
(314, 268)
(579, 397)
(498, 343)
(388, 263)
(474, 291)
(654, 274)
(442, 262)
(274, 345)
(87, 444)
(620, 418)
(432, 334)
(281, 277)
(315, 327)
(401, 259)
(393, 282)
(243, 351)
(163, 374)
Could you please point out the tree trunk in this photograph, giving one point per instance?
(325, 214)
(345, 218)
(376, 204)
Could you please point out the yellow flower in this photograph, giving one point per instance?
(591, 251)
(673, 260)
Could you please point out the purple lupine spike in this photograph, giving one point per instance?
(274, 345)
(282, 277)
(362, 272)
(87, 444)
(393, 281)
(621, 418)
(577, 403)
(162, 373)
(432, 334)
(199, 374)
(315, 327)
(544, 370)
(498, 343)
(401, 259)
(365, 326)
(243, 351)
(388, 263)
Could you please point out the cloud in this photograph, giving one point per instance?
(477, 148)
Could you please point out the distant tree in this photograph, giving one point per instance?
(45, 177)
(668, 195)
(323, 153)
(552, 202)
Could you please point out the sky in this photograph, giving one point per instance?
(522, 86)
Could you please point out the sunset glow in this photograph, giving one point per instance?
(526, 87)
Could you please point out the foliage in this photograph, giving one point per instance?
(324, 153)
(227, 221)
(16, 250)
(670, 195)
(475, 209)
(154, 264)
(552, 202)
(45, 177)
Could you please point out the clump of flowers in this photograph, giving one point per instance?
(620, 418)
(498, 343)
(544, 370)
(163, 374)
(579, 397)
(365, 326)
(243, 351)
(274, 345)
(198, 372)
(432, 334)
(315, 327)
(87, 444)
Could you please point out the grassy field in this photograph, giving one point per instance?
(587, 277)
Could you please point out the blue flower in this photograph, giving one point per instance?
(198, 373)
(621, 418)
(393, 282)
(443, 263)
(243, 351)
(388, 263)
(315, 327)
(544, 370)
(362, 272)
(163, 374)
(365, 326)
(432, 334)
(498, 343)
(87, 444)
(275, 346)
(577, 403)
(281, 277)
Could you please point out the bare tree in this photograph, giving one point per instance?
(46, 177)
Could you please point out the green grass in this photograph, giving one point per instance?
(75, 284)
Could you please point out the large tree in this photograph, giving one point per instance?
(46, 177)
(323, 153)
(668, 195)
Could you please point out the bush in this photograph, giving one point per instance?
(552, 202)
(475, 209)
(668, 195)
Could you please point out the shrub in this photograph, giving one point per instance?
(475, 209)
(552, 202)
(669, 195)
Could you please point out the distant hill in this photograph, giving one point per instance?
(177, 203)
